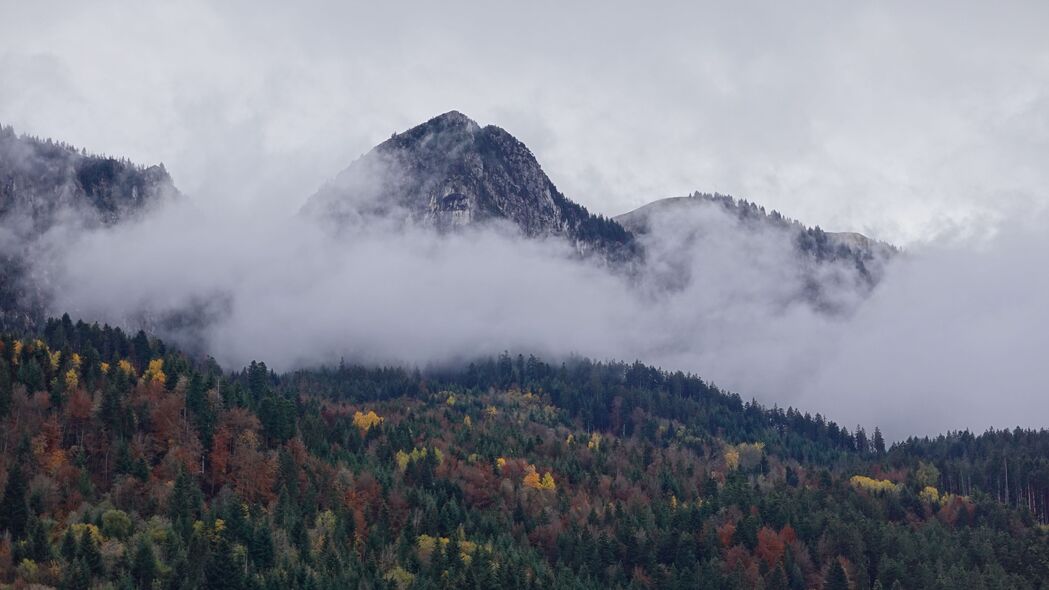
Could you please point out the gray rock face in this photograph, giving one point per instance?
(450, 172)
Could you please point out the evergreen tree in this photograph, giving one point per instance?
(184, 503)
(13, 510)
(143, 564)
(836, 578)
(69, 547)
(879, 442)
(6, 388)
(36, 535)
(77, 576)
(90, 553)
(198, 406)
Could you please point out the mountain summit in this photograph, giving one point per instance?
(450, 172)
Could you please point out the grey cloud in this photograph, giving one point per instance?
(947, 335)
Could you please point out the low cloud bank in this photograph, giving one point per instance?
(955, 336)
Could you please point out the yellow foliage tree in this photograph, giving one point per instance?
(155, 371)
(104, 367)
(71, 380)
(548, 481)
(930, 494)
(125, 366)
(877, 486)
(731, 458)
(594, 442)
(404, 459)
(365, 422)
(532, 479)
(427, 544)
(401, 577)
(56, 359)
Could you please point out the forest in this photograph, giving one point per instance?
(127, 463)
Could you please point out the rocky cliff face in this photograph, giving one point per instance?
(450, 172)
(43, 184)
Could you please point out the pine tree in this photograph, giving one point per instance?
(184, 503)
(143, 565)
(78, 576)
(13, 510)
(879, 442)
(39, 547)
(836, 578)
(90, 553)
(6, 388)
(778, 579)
(223, 572)
(69, 547)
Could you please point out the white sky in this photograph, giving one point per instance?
(908, 123)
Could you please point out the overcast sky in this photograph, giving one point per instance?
(906, 122)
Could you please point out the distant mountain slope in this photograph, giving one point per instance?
(40, 178)
(44, 183)
(866, 255)
(450, 172)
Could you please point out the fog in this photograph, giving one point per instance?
(951, 338)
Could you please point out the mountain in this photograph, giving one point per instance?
(865, 255)
(44, 184)
(450, 172)
(41, 180)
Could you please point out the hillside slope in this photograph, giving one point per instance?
(128, 463)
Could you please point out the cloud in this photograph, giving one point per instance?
(949, 339)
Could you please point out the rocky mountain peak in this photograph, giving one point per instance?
(450, 172)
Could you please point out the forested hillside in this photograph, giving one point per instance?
(127, 464)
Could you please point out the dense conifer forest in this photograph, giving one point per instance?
(128, 464)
